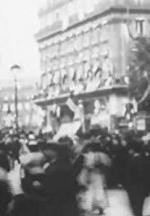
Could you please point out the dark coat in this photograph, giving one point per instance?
(5, 197)
(25, 205)
(61, 188)
(58, 197)
(138, 181)
(117, 167)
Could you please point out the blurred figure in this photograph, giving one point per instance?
(26, 181)
(138, 176)
(32, 142)
(5, 192)
(95, 167)
(119, 155)
(61, 186)
(47, 183)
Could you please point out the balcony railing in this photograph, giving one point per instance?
(49, 30)
(79, 88)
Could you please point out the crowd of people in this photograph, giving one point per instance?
(43, 177)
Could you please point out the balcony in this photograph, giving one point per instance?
(80, 89)
(122, 4)
(51, 7)
(61, 99)
(132, 3)
(73, 19)
(102, 8)
(49, 30)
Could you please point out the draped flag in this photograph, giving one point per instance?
(71, 104)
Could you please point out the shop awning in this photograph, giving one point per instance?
(101, 119)
(47, 129)
(68, 129)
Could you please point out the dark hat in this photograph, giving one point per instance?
(93, 145)
(61, 149)
(137, 145)
(51, 145)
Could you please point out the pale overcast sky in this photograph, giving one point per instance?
(18, 24)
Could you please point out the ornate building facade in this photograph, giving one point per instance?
(84, 54)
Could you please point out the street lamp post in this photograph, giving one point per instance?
(15, 68)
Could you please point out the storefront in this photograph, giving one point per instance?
(66, 115)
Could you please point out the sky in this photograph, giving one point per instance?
(18, 25)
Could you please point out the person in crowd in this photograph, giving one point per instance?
(26, 183)
(63, 178)
(61, 186)
(5, 193)
(47, 184)
(119, 155)
(68, 142)
(92, 177)
(138, 177)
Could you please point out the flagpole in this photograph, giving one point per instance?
(82, 115)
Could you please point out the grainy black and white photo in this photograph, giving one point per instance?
(74, 107)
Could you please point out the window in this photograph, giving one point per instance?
(76, 43)
(95, 35)
(138, 2)
(20, 106)
(55, 50)
(63, 47)
(86, 67)
(5, 107)
(50, 77)
(65, 21)
(81, 56)
(50, 20)
(104, 49)
(27, 119)
(57, 15)
(71, 73)
(71, 43)
(63, 61)
(80, 4)
(89, 6)
(105, 33)
(71, 8)
(54, 64)
(139, 26)
(44, 81)
(52, 50)
(56, 77)
(12, 107)
(6, 98)
(80, 71)
(70, 59)
(57, 63)
(86, 40)
(95, 51)
(86, 55)
(77, 58)
(68, 45)
(80, 41)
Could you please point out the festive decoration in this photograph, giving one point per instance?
(139, 72)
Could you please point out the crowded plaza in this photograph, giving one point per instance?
(95, 173)
(75, 108)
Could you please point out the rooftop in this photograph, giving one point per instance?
(57, 27)
(52, 5)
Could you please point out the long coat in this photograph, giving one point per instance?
(61, 189)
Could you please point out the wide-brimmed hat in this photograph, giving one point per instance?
(50, 145)
(61, 149)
